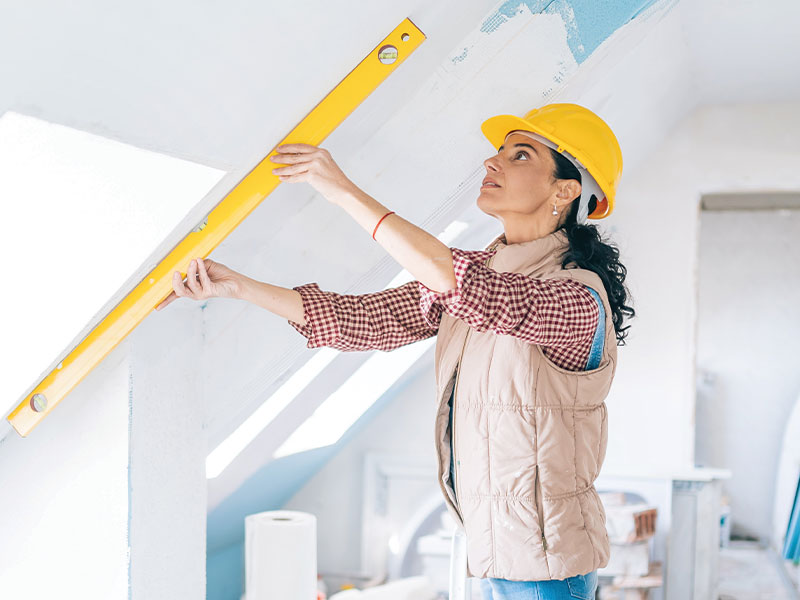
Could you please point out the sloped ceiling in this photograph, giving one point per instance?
(216, 83)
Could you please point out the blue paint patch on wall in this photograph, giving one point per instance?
(225, 573)
(509, 10)
(460, 57)
(588, 22)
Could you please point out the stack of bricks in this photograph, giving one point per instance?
(631, 526)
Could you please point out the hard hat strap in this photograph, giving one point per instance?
(589, 186)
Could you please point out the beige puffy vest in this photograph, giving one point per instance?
(529, 437)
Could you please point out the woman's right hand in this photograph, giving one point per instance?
(204, 279)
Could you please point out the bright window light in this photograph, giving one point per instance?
(81, 214)
(343, 408)
(234, 444)
(229, 449)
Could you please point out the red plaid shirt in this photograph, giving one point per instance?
(559, 314)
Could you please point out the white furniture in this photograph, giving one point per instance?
(687, 527)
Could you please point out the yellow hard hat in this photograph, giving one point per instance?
(581, 136)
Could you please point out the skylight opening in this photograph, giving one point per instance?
(83, 213)
(331, 416)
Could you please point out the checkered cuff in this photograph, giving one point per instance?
(432, 303)
(321, 327)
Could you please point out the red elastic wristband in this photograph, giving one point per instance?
(379, 222)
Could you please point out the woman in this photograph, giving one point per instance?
(526, 331)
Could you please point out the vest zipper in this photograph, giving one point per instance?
(487, 263)
(537, 496)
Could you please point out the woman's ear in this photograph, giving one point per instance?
(568, 190)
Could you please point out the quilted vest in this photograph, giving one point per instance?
(529, 437)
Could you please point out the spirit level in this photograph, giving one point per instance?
(216, 226)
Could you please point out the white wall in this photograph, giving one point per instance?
(168, 455)
(106, 498)
(748, 329)
(723, 148)
(64, 499)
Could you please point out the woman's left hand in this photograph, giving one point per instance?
(314, 165)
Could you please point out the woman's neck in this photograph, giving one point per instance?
(519, 235)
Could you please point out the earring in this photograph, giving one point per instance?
(555, 212)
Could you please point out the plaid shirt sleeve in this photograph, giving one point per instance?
(559, 314)
(382, 320)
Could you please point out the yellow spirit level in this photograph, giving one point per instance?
(223, 219)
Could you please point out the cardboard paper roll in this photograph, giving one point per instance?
(281, 555)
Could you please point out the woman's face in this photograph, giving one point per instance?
(523, 171)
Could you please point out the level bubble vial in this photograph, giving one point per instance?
(387, 54)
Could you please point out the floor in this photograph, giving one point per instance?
(749, 572)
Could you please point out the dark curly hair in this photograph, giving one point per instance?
(589, 251)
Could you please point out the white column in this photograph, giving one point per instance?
(167, 454)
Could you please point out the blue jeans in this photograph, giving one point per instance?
(582, 587)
